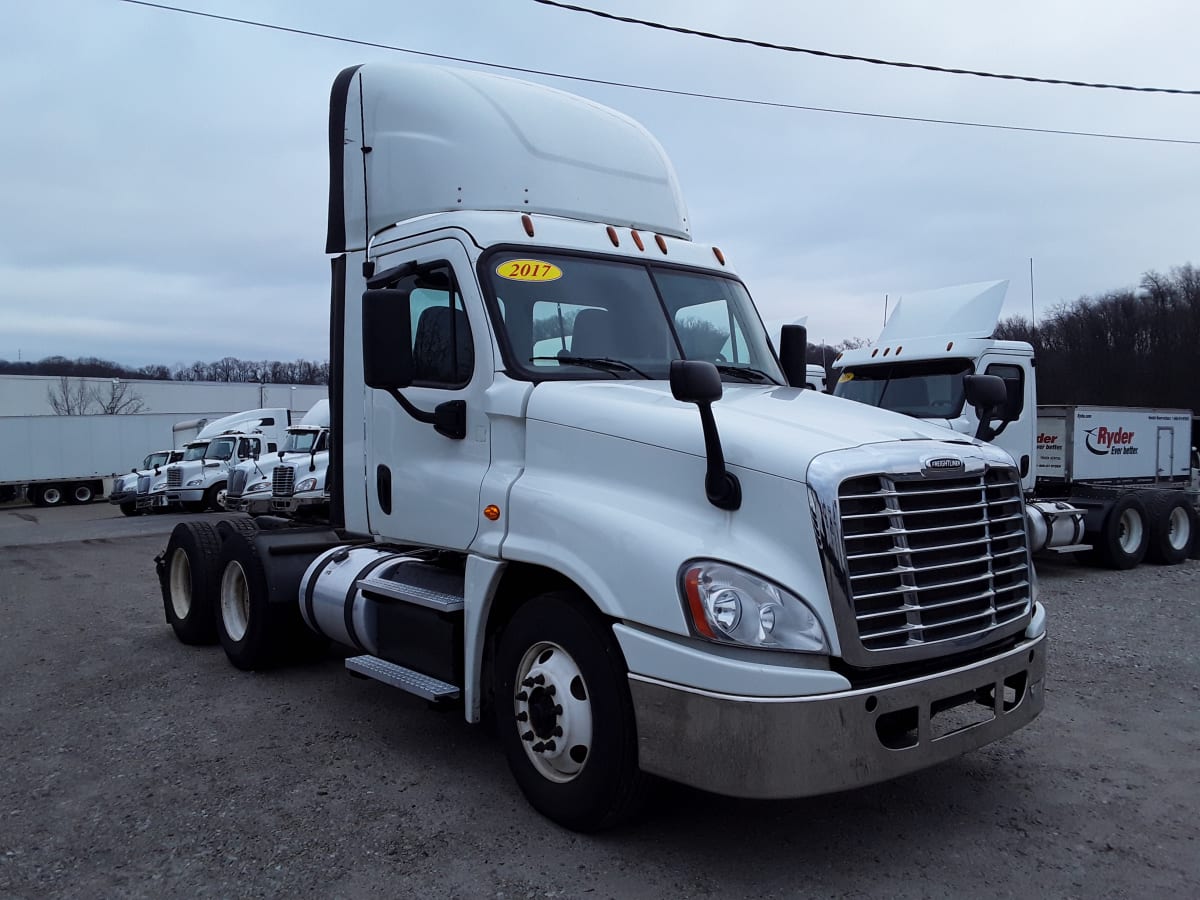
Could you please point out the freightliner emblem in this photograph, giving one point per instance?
(943, 464)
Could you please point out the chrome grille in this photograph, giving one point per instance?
(143, 484)
(282, 481)
(237, 483)
(934, 559)
(174, 477)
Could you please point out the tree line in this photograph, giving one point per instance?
(229, 369)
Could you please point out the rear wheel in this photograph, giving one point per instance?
(81, 493)
(565, 716)
(255, 633)
(1123, 538)
(187, 573)
(49, 495)
(1172, 528)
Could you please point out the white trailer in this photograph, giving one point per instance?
(645, 554)
(1113, 445)
(73, 459)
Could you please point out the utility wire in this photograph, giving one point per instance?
(864, 59)
(659, 90)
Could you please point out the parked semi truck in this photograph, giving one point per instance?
(253, 484)
(124, 491)
(1109, 482)
(72, 459)
(634, 557)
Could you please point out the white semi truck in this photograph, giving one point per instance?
(1109, 482)
(632, 556)
(254, 484)
(124, 491)
(198, 483)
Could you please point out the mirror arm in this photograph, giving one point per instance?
(721, 486)
(449, 419)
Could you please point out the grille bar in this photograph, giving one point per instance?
(933, 528)
(283, 479)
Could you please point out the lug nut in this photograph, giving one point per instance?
(539, 747)
(550, 745)
(558, 709)
(527, 736)
(539, 679)
(552, 690)
(558, 731)
(522, 716)
(522, 696)
(528, 682)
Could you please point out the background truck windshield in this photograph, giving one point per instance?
(302, 442)
(194, 451)
(221, 448)
(927, 389)
(156, 459)
(558, 307)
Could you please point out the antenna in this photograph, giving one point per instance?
(1032, 312)
(885, 301)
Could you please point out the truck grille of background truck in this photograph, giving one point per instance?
(174, 478)
(282, 481)
(143, 484)
(934, 560)
(237, 483)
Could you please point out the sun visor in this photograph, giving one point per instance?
(961, 311)
(407, 141)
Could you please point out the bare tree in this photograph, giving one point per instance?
(118, 399)
(69, 396)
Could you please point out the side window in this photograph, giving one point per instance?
(443, 353)
(1014, 381)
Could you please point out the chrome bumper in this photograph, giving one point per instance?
(801, 746)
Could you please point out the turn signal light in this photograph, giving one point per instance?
(491, 512)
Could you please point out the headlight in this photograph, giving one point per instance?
(195, 482)
(258, 488)
(308, 484)
(733, 606)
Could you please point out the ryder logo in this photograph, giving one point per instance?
(1102, 441)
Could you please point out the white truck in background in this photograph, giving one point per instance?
(253, 484)
(1108, 482)
(198, 483)
(634, 557)
(124, 491)
(55, 460)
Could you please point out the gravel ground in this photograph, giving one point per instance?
(137, 767)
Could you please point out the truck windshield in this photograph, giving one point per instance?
(155, 459)
(572, 317)
(301, 442)
(928, 389)
(221, 448)
(194, 451)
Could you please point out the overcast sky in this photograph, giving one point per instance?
(163, 177)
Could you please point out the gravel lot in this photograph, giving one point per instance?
(135, 766)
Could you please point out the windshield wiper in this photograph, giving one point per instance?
(604, 363)
(746, 373)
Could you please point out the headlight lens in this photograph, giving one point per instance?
(308, 484)
(732, 606)
(257, 488)
(195, 482)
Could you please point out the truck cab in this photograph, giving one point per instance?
(124, 492)
(199, 483)
(252, 483)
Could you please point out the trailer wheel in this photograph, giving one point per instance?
(252, 631)
(81, 493)
(187, 573)
(129, 508)
(1172, 528)
(568, 731)
(1123, 538)
(49, 495)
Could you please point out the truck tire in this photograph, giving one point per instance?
(187, 573)
(242, 525)
(214, 497)
(568, 732)
(49, 495)
(80, 493)
(1172, 528)
(253, 632)
(129, 508)
(1123, 538)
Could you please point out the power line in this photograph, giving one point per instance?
(669, 91)
(854, 58)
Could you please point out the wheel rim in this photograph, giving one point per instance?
(1131, 531)
(221, 496)
(553, 712)
(181, 583)
(83, 494)
(235, 601)
(52, 496)
(1179, 528)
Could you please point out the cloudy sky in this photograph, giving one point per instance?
(163, 176)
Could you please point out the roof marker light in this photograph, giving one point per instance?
(528, 223)
(898, 349)
(662, 243)
(949, 345)
(612, 236)
(874, 353)
(637, 239)
(887, 350)
(719, 255)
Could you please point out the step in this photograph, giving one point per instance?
(411, 593)
(400, 677)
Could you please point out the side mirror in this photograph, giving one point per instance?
(699, 382)
(254, 454)
(695, 381)
(793, 354)
(387, 340)
(988, 394)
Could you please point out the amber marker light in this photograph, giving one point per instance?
(719, 255)
(691, 587)
(898, 349)
(949, 345)
(637, 239)
(528, 223)
(612, 236)
(491, 512)
(662, 243)
(887, 350)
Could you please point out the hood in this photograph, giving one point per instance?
(768, 428)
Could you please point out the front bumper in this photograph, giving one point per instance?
(297, 502)
(120, 497)
(801, 746)
(153, 501)
(185, 495)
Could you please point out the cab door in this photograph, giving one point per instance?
(422, 486)
(1020, 408)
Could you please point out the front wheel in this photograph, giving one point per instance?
(129, 508)
(565, 715)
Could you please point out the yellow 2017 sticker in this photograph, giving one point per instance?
(528, 270)
(846, 376)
